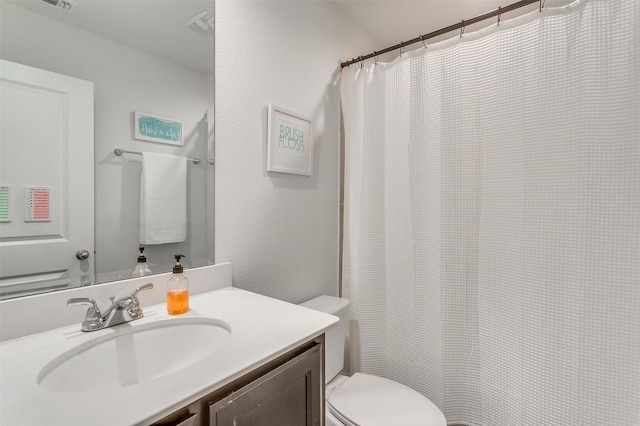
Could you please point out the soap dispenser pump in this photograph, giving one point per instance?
(177, 290)
(142, 268)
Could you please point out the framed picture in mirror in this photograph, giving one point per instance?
(154, 128)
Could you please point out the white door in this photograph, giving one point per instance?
(46, 178)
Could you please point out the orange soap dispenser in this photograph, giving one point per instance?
(177, 290)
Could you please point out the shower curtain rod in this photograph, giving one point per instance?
(459, 26)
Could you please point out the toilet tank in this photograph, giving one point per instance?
(335, 335)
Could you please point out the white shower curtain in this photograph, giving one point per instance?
(492, 219)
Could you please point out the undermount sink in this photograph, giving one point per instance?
(134, 354)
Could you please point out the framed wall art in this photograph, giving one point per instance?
(289, 145)
(154, 128)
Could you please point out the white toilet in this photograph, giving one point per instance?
(365, 399)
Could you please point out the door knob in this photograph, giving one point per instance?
(82, 254)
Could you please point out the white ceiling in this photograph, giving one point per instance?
(390, 22)
(158, 27)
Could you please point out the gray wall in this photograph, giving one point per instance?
(279, 230)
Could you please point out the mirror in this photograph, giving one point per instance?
(150, 56)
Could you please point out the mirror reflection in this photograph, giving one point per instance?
(150, 65)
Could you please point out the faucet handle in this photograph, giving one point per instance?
(93, 318)
(86, 301)
(139, 289)
(134, 309)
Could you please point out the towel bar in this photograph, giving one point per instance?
(119, 152)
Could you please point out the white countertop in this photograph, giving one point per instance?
(262, 329)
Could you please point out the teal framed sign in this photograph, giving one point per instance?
(154, 128)
(289, 143)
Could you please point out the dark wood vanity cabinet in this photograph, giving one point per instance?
(288, 391)
(290, 394)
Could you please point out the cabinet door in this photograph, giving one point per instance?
(290, 395)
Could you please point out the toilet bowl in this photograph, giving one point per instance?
(366, 399)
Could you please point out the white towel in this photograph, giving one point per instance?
(163, 199)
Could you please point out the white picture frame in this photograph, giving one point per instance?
(155, 128)
(289, 142)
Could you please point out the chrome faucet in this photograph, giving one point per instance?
(124, 309)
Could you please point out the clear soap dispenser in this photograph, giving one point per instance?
(177, 290)
(142, 268)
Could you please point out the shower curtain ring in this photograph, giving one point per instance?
(375, 57)
(401, 47)
(499, 14)
(541, 5)
(423, 42)
(462, 28)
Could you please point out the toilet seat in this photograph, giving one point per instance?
(367, 400)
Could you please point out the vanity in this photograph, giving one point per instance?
(235, 358)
